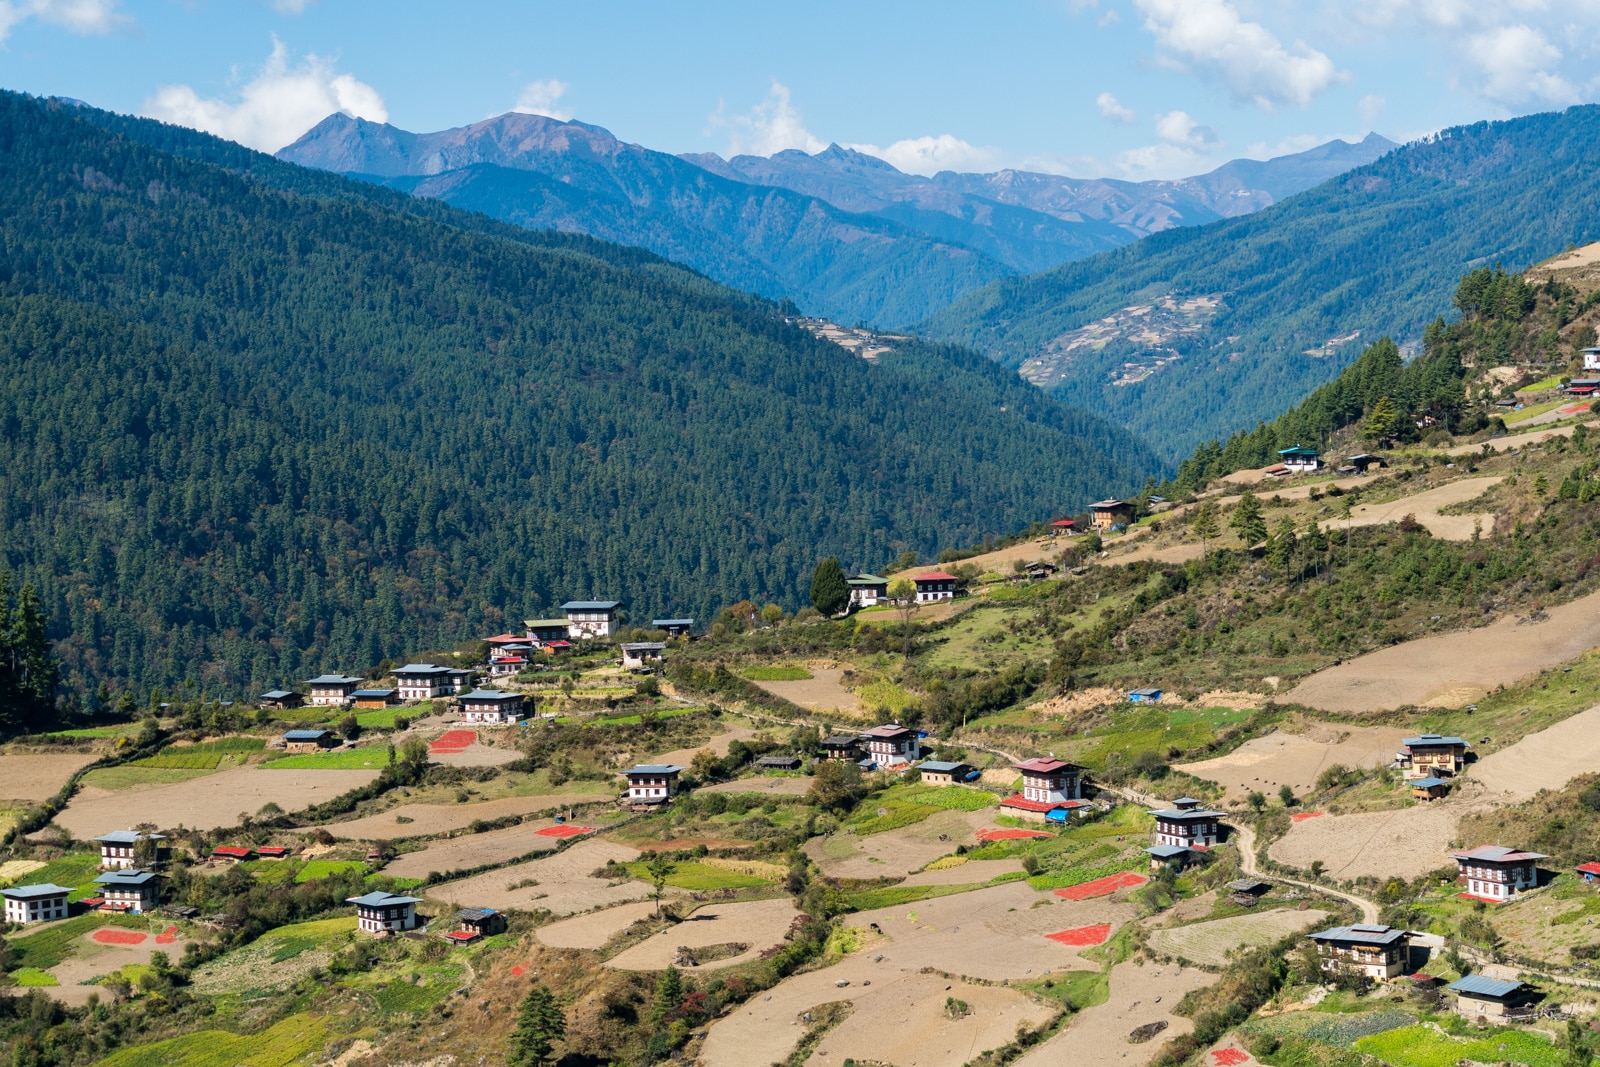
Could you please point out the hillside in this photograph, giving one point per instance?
(1283, 299)
(253, 432)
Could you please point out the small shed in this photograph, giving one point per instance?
(476, 923)
(778, 763)
(1365, 461)
(1175, 856)
(637, 654)
(1590, 871)
(1430, 788)
(944, 772)
(1492, 999)
(274, 852)
(280, 699)
(1148, 695)
(1246, 891)
(374, 698)
(232, 853)
(307, 740)
(673, 627)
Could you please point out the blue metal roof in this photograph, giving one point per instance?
(1432, 739)
(125, 878)
(379, 899)
(276, 694)
(1361, 933)
(591, 605)
(653, 768)
(128, 837)
(420, 668)
(305, 735)
(940, 766)
(1481, 986)
(34, 892)
(1429, 783)
(662, 624)
(333, 679)
(1166, 852)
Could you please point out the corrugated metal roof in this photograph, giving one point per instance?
(653, 768)
(1369, 936)
(1482, 986)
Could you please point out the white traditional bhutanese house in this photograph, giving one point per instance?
(591, 618)
(935, 586)
(891, 745)
(867, 590)
(1298, 460)
(1379, 952)
(422, 681)
(1591, 359)
(35, 903)
(1491, 999)
(1045, 778)
(637, 654)
(1432, 756)
(1109, 514)
(652, 783)
(1186, 823)
(492, 706)
(132, 891)
(510, 659)
(331, 690)
(383, 913)
(1495, 873)
(117, 847)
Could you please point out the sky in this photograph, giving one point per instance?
(1121, 88)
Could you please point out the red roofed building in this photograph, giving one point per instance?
(1045, 778)
(1496, 873)
(236, 853)
(935, 585)
(1060, 526)
(274, 852)
(1021, 807)
(891, 745)
(1589, 871)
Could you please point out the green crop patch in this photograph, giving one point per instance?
(312, 870)
(52, 945)
(776, 674)
(702, 876)
(372, 757)
(894, 896)
(318, 931)
(181, 761)
(33, 977)
(874, 817)
(1423, 1046)
(291, 1040)
(74, 869)
(431, 986)
(954, 798)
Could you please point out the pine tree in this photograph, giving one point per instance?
(1247, 521)
(669, 994)
(540, 1025)
(1382, 421)
(1280, 549)
(1204, 525)
(829, 592)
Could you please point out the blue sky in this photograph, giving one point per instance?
(1125, 88)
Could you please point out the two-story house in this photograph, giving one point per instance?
(385, 913)
(331, 690)
(891, 745)
(591, 618)
(651, 784)
(1495, 873)
(1187, 824)
(1379, 952)
(492, 706)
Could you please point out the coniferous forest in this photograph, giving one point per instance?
(261, 421)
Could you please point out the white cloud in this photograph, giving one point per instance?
(1178, 128)
(1246, 56)
(930, 155)
(292, 7)
(774, 125)
(540, 98)
(1370, 108)
(276, 106)
(1516, 65)
(76, 16)
(1111, 109)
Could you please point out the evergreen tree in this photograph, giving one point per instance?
(1248, 522)
(1204, 525)
(540, 1024)
(668, 996)
(1382, 421)
(829, 591)
(1281, 546)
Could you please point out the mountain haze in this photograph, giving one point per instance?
(844, 234)
(1193, 333)
(261, 420)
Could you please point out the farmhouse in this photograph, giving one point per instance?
(1145, 696)
(891, 745)
(279, 700)
(1020, 807)
(1298, 460)
(1591, 359)
(383, 913)
(492, 706)
(1045, 778)
(509, 659)
(232, 853)
(117, 848)
(1109, 514)
(1363, 462)
(308, 740)
(1379, 952)
(423, 681)
(940, 772)
(1494, 873)
(637, 654)
(374, 698)
(935, 585)
(777, 763)
(673, 627)
(591, 618)
(1480, 997)
(1432, 756)
(651, 784)
(542, 631)
(842, 747)
(331, 690)
(131, 890)
(35, 903)
(1062, 526)
(1175, 856)
(476, 924)
(1187, 823)
(274, 852)
(867, 590)
(1430, 788)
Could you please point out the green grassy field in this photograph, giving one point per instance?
(76, 869)
(369, 757)
(292, 1040)
(896, 813)
(33, 977)
(701, 876)
(131, 776)
(399, 994)
(181, 761)
(954, 797)
(119, 730)
(1422, 1046)
(311, 870)
(48, 947)
(383, 718)
(631, 720)
(775, 674)
(895, 896)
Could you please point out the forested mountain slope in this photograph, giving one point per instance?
(260, 421)
(1300, 287)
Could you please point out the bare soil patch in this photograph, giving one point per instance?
(994, 934)
(1544, 760)
(898, 852)
(718, 745)
(474, 850)
(783, 787)
(969, 873)
(426, 819)
(32, 777)
(205, 803)
(1514, 441)
(1141, 995)
(596, 928)
(1263, 764)
(564, 882)
(1182, 552)
(94, 957)
(476, 754)
(1404, 843)
(1210, 942)
(1425, 507)
(760, 924)
(823, 691)
(1451, 669)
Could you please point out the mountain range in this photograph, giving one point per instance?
(1196, 332)
(262, 420)
(843, 234)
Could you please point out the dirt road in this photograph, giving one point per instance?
(1520, 440)
(1424, 506)
(1248, 865)
(1452, 669)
